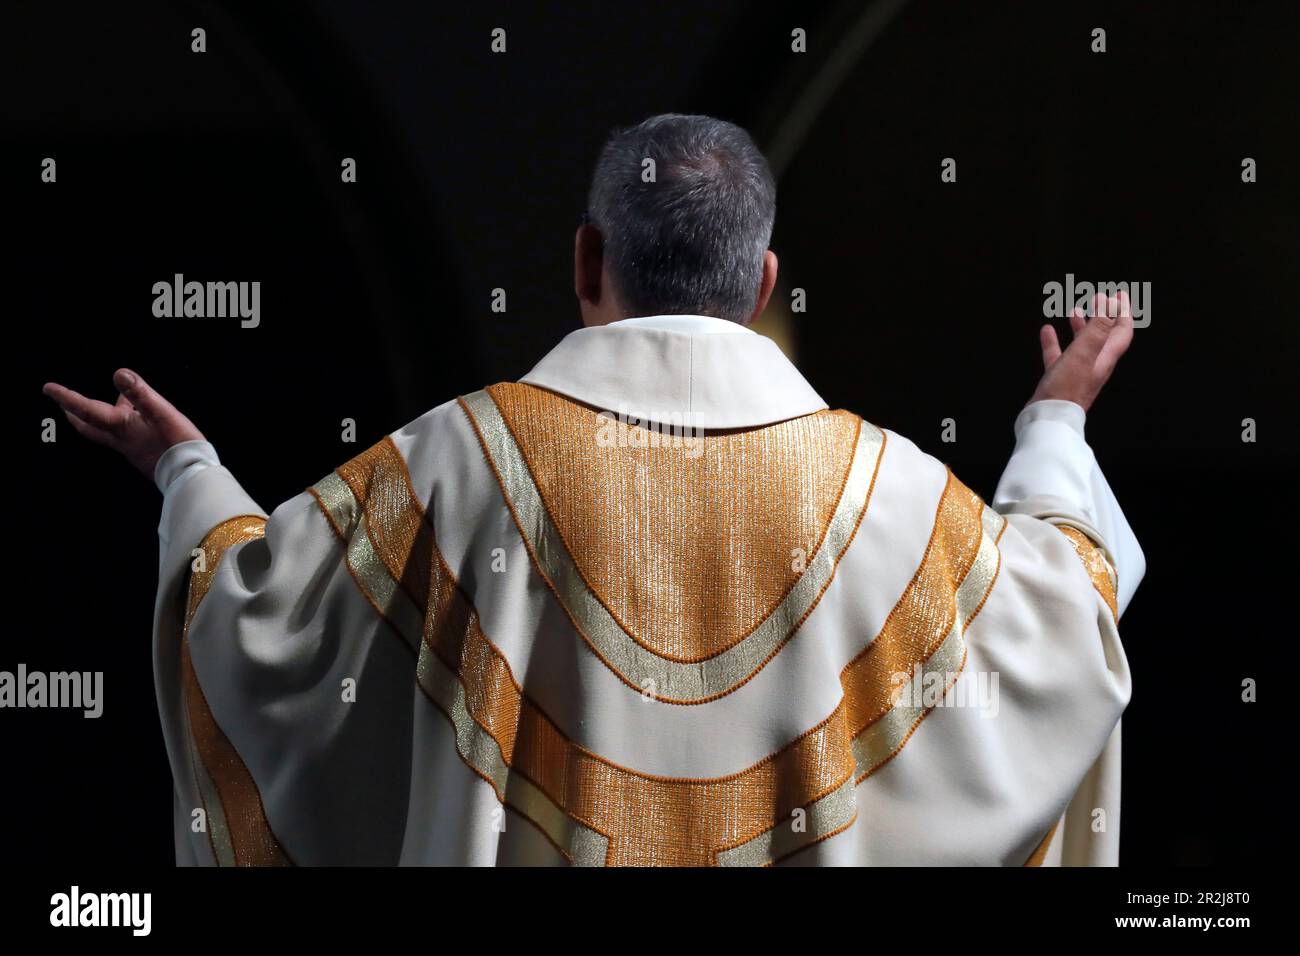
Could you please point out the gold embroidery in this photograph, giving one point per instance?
(925, 614)
(595, 811)
(926, 629)
(238, 830)
(689, 549)
(675, 682)
(1095, 563)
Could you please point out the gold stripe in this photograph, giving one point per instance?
(375, 579)
(242, 836)
(1095, 564)
(832, 814)
(882, 736)
(450, 627)
(707, 525)
(581, 845)
(596, 811)
(1040, 852)
(214, 819)
(670, 681)
(478, 748)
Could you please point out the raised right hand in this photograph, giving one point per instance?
(1078, 373)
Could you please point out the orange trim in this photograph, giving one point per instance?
(1040, 852)
(253, 843)
(1094, 562)
(510, 397)
(487, 455)
(649, 818)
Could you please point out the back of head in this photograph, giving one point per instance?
(685, 234)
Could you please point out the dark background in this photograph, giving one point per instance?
(923, 298)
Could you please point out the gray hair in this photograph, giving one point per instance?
(691, 241)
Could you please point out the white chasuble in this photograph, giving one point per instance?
(653, 604)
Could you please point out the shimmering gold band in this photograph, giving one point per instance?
(821, 819)
(1094, 561)
(596, 811)
(375, 523)
(671, 681)
(223, 851)
(884, 735)
(238, 831)
(582, 845)
(689, 542)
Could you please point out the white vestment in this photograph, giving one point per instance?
(497, 638)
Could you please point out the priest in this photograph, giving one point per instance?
(793, 637)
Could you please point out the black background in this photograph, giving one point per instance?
(924, 299)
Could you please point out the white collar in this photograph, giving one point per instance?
(703, 371)
(701, 324)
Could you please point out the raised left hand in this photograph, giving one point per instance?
(1078, 373)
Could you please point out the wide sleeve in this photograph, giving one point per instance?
(1053, 477)
(284, 698)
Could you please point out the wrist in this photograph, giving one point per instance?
(1057, 410)
(1053, 395)
(181, 458)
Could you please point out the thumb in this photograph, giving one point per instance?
(170, 425)
(146, 401)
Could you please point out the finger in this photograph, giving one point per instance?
(1078, 321)
(1115, 347)
(1050, 344)
(91, 411)
(98, 435)
(147, 402)
(1101, 306)
(1119, 340)
(1091, 339)
(1124, 306)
